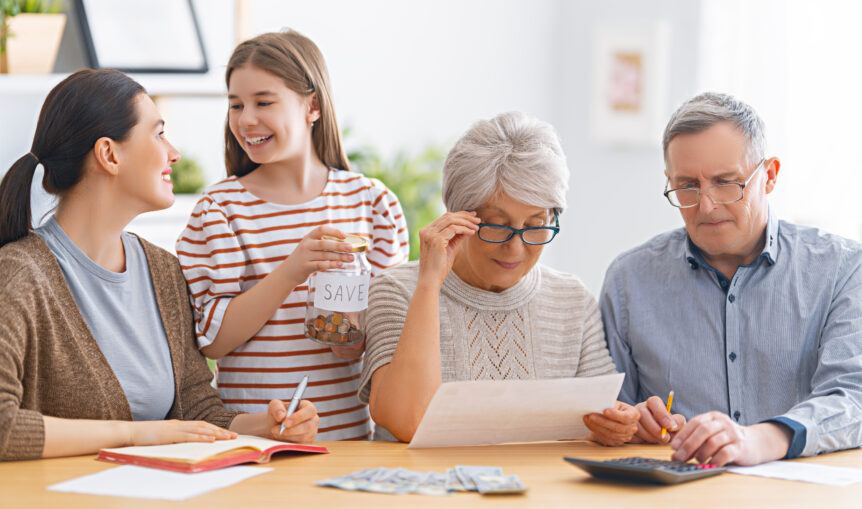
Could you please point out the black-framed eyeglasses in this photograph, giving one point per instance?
(721, 194)
(533, 235)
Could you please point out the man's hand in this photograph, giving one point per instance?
(653, 417)
(714, 437)
(614, 426)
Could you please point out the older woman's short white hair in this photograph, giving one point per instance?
(513, 153)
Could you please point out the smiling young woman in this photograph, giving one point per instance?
(96, 330)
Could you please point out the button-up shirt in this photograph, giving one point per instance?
(780, 341)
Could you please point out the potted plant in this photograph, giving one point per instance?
(416, 179)
(187, 176)
(30, 32)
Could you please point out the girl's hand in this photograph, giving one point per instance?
(439, 241)
(313, 254)
(174, 431)
(301, 427)
(614, 426)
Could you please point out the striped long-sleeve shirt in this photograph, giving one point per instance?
(235, 239)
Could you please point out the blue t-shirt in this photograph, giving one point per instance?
(121, 312)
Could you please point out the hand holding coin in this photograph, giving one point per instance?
(439, 241)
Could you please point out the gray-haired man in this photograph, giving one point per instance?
(755, 323)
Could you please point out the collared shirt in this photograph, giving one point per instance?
(781, 341)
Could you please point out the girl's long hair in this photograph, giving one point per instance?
(297, 60)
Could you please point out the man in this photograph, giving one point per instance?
(756, 323)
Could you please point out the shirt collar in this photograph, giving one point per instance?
(694, 259)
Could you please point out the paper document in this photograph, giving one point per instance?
(800, 471)
(140, 482)
(498, 411)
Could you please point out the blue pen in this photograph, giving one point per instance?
(297, 396)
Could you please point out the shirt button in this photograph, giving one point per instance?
(732, 356)
(724, 284)
(731, 298)
(736, 415)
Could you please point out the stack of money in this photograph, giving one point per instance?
(485, 480)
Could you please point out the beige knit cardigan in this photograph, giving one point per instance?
(50, 364)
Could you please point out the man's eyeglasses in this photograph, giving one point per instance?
(533, 235)
(720, 194)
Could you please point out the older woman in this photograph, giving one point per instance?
(477, 306)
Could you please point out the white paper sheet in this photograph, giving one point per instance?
(140, 482)
(499, 411)
(800, 471)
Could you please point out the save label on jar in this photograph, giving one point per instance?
(341, 292)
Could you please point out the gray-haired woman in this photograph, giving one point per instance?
(477, 305)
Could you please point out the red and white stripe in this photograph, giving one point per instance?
(234, 239)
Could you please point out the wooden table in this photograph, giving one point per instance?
(551, 482)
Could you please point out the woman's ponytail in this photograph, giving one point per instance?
(82, 108)
(15, 199)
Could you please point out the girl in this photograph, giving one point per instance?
(96, 330)
(255, 237)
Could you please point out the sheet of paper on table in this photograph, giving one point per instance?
(499, 411)
(801, 471)
(140, 482)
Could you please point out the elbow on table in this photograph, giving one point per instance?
(402, 425)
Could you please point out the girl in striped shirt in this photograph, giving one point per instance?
(254, 238)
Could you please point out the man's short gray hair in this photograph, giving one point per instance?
(513, 153)
(705, 110)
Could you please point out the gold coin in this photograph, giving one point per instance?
(319, 323)
(330, 327)
(337, 318)
(357, 243)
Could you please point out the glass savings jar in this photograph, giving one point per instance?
(338, 298)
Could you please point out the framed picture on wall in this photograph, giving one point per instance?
(629, 83)
(142, 35)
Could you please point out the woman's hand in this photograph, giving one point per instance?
(614, 426)
(313, 254)
(174, 431)
(439, 241)
(300, 427)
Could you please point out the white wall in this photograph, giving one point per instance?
(406, 74)
(615, 200)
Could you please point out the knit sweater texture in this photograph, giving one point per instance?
(545, 326)
(51, 365)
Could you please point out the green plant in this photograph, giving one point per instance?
(415, 179)
(187, 176)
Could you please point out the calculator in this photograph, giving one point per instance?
(647, 470)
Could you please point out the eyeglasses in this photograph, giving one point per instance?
(533, 235)
(720, 194)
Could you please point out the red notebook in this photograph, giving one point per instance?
(193, 457)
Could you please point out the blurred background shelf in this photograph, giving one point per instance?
(183, 85)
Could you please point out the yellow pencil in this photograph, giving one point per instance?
(669, 403)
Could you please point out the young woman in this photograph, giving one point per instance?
(255, 237)
(96, 330)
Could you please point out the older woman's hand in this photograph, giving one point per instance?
(614, 426)
(439, 242)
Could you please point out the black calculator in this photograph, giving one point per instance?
(647, 470)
